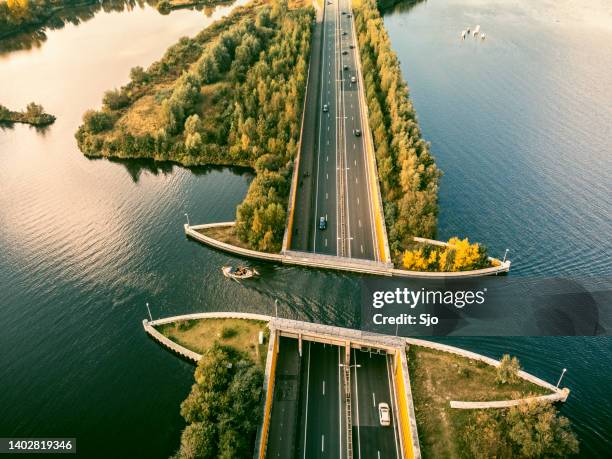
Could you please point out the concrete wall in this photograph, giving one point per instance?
(411, 448)
(174, 347)
(269, 377)
(551, 398)
(337, 263)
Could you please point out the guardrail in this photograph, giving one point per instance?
(269, 377)
(560, 396)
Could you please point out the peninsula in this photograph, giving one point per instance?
(34, 114)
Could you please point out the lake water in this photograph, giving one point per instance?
(85, 243)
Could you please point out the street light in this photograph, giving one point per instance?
(505, 255)
(186, 215)
(561, 377)
(276, 307)
(150, 317)
(356, 365)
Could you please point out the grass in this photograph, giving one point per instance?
(437, 378)
(200, 334)
(225, 234)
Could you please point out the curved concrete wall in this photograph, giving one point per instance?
(556, 397)
(337, 263)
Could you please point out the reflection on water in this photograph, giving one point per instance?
(35, 36)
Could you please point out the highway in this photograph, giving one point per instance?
(285, 408)
(371, 384)
(333, 179)
(322, 412)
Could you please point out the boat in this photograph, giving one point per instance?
(463, 34)
(483, 36)
(476, 31)
(241, 272)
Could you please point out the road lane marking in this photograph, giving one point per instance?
(324, 383)
(355, 162)
(357, 201)
(359, 223)
(356, 180)
(373, 400)
(307, 387)
(324, 380)
(327, 176)
(322, 443)
(361, 248)
(326, 196)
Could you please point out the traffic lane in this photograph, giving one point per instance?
(325, 241)
(283, 420)
(323, 421)
(371, 387)
(362, 243)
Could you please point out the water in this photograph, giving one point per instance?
(521, 126)
(85, 243)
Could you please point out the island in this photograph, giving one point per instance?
(34, 114)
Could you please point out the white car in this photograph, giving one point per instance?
(384, 414)
(325, 108)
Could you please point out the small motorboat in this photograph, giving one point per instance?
(241, 272)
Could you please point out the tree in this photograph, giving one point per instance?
(138, 75)
(97, 122)
(198, 441)
(34, 110)
(537, 430)
(507, 370)
(115, 99)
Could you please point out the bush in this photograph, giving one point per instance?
(459, 255)
(115, 99)
(228, 332)
(507, 370)
(97, 122)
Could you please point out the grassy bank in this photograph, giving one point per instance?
(200, 335)
(232, 95)
(437, 378)
(34, 114)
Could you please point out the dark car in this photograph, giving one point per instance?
(345, 67)
(345, 52)
(322, 223)
(351, 46)
(357, 132)
(344, 32)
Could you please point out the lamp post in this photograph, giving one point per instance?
(276, 307)
(561, 377)
(506, 254)
(186, 215)
(150, 317)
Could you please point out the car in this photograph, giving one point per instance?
(353, 79)
(325, 108)
(345, 67)
(348, 15)
(344, 33)
(352, 46)
(344, 12)
(357, 132)
(322, 223)
(345, 52)
(384, 414)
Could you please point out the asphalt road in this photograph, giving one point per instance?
(282, 436)
(332, 177)
(322, 413)
(372, 384)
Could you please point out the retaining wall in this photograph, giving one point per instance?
(269, 377)
(551, 398)
(409, 437)
(329, 262)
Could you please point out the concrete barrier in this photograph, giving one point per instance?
(269, 375)
(314, 260)
(166, 342)
(409, 437)
(560, 396)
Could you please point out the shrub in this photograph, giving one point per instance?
(507, 370)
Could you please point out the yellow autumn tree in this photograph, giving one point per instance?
(458, 255)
